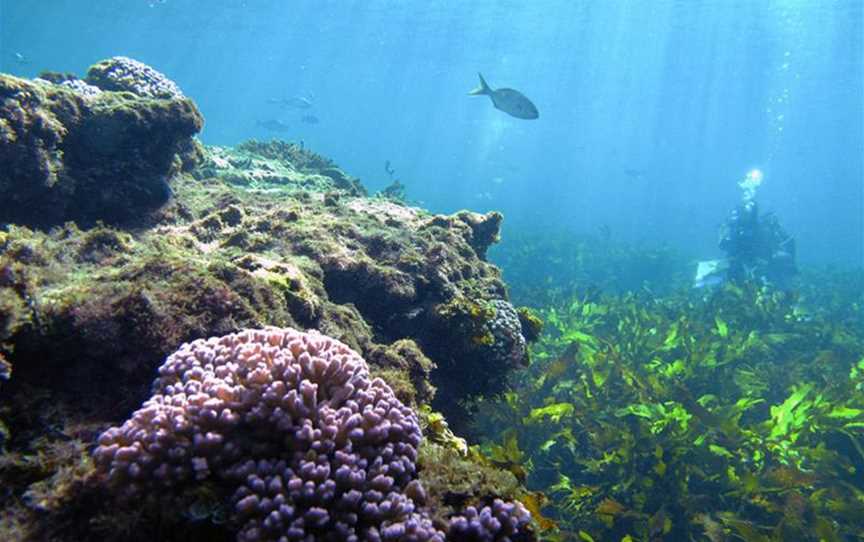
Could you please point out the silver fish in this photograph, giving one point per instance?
(507, 100)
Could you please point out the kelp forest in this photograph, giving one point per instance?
(722, 414)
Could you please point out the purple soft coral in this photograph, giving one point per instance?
(313, 445)
(315, 449)
(503, 521)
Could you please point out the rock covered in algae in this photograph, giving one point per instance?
(364, 270)
(74, 150)
(276, 165)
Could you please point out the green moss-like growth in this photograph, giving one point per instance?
(14, 312)
(409, 368)
(18, 261)
(454, 480)
(278, 166)
(102, 300)
(101, 243)
(69, 155)
(532, 325)
(294, 153)
(470, 317)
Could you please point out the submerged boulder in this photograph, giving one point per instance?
(91, 150)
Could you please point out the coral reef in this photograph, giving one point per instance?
(486, 331)
(456, 479)
(74, 151)
(15, 296)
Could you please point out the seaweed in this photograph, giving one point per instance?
(736, 414)
(295, 153)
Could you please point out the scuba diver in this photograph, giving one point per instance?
(757, 247)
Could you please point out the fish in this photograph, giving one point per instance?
(636, 174)
(508, 100)
(389, 169)
(294, 102)
(21, 59)
(309, 119)
(274, 125)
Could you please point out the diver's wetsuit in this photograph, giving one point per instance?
(757, 247)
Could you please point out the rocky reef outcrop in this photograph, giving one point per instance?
(223, 256)
(262, 234)
(101, 148)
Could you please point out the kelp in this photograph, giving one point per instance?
(732, 414)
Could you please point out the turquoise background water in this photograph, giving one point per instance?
(650, 111)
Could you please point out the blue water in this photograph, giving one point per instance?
(650, 111)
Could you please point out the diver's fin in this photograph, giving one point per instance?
(482, 89)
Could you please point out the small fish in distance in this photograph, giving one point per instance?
(274, 125)
(510, 101)
(294, 102)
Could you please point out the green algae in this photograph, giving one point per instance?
(734, 415)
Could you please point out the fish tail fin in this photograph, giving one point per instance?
(482, 89)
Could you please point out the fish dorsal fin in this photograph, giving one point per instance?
(482, 89)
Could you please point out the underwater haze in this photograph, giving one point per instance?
(432, 271)
(650, 112)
